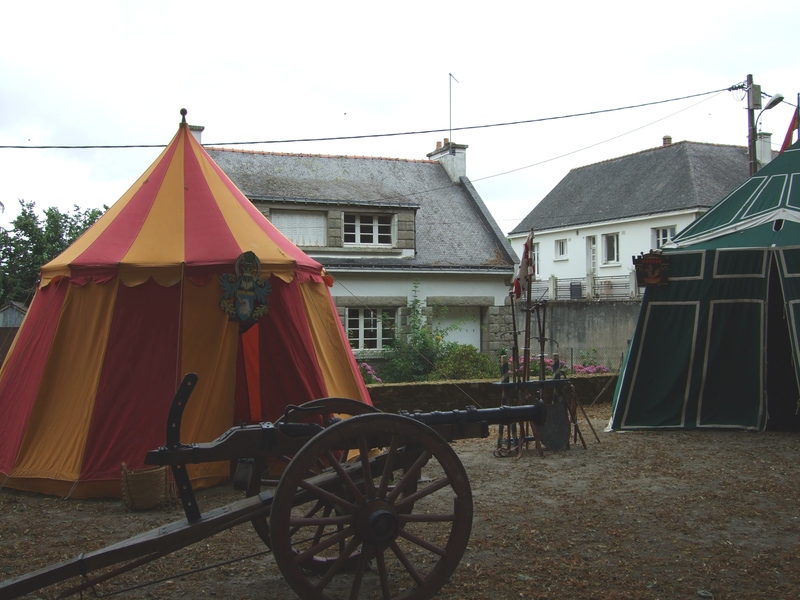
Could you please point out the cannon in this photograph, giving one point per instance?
(353, 502)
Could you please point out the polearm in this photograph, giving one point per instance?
(510, 431)
(529, 289)
(515, 345)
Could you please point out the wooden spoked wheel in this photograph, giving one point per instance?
(324, 410)
(392, 522)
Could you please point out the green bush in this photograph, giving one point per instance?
(462, 361)
(424, 354)
(414, 356)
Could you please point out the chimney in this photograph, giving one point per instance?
(763, 148)
(667, 140)
(197, 132)
(452, 157)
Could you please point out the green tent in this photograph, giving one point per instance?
(718, 345)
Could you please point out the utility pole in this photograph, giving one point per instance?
(753, 104)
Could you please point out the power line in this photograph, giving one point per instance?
(381, 135)
(598, 143)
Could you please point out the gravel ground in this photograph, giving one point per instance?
(705, 514)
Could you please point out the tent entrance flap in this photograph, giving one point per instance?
(250, 359)
(782, 389)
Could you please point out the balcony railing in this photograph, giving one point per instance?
(619, 287)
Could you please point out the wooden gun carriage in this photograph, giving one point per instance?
(353, 502)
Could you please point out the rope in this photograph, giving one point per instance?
(72, 489)
(178, 575)
(90, 584)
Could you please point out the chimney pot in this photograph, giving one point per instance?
(438, 145)
(446, 141)
(197, 132)
(667, 140)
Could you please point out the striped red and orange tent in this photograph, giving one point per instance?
(152, 292)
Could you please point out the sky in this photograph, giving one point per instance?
(117, 73)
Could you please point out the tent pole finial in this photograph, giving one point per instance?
(183, 115)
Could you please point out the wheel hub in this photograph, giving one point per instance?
(377, 522)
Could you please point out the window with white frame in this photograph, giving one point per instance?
(368, 230)
(304, 228)
(661, 235)
(610, 248)
(369, 329)
(535, 260)
(561, 249)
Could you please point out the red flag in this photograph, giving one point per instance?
(788, 140)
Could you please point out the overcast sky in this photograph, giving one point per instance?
(118, 73)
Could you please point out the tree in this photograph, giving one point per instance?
(33, 242)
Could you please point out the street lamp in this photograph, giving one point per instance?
(773, 102)
(753, 104)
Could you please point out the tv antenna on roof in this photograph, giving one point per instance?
(450, 81)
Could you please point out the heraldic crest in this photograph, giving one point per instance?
(244, 293)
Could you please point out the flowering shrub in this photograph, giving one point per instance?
(589, 370)
(368, 373)
(566, 369)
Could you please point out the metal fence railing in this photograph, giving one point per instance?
(617, 287)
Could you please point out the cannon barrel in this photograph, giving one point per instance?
(474, 422)
(501, 415)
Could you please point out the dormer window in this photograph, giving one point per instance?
(304, 228)
(368, 230)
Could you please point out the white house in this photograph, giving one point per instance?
(386, 230)
(591, 225)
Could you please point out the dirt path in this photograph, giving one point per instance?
(638, 515)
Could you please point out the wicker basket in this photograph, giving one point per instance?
(146, 488)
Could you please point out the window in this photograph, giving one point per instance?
(611, 248)
(662, 235)
(561, 249)
(535, 260)
(373, 230)
(369, 329)
(303, 228)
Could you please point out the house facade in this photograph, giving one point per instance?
(389, 231)
(591, 225)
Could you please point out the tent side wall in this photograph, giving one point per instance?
(337, 363)
(113, 356)
(21, 374)
(697, 358)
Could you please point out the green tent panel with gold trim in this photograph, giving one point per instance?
(719, 345)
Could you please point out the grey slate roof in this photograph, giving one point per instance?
(454, 229)
(680, 176)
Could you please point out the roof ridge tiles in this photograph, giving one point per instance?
(662, 147)
(308, 155)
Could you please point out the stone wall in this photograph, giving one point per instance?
(569, 324)
(585, 324)
(451, 395)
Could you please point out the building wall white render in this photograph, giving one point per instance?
(635, 237)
